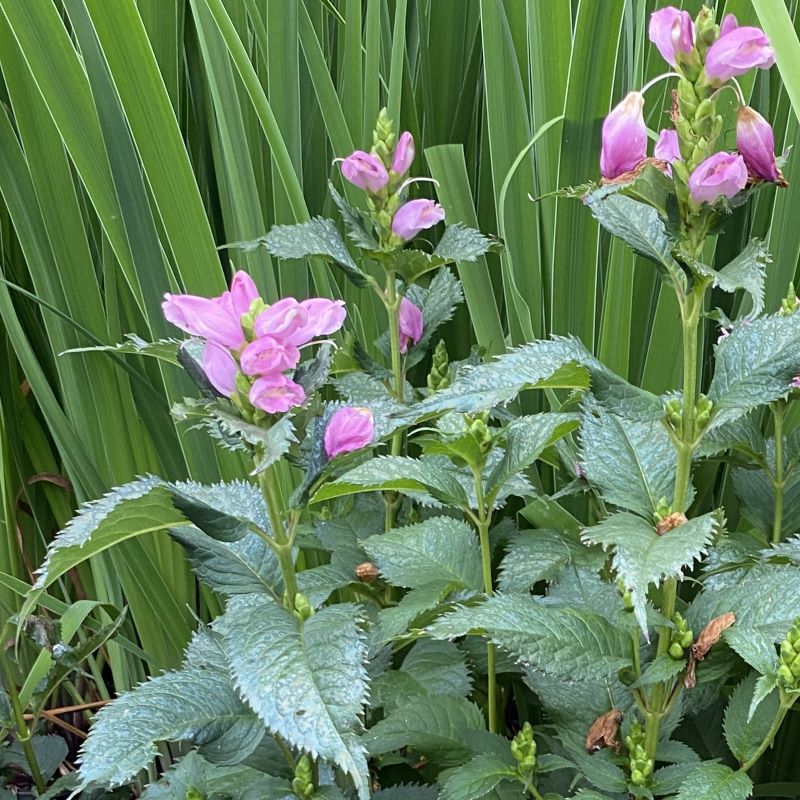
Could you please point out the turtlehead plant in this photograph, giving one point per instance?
(465, 579)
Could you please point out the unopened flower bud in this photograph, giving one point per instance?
(303, 783)
(411, 324)
(349, 429)
(367, 572)
(672, 32)
(439, 376)
(705, 26)
(366, 171)
(303, 607)
(670, 522)
(624, 137)
(756, 144)
(789, 659)
(523, 749)
(403, 154)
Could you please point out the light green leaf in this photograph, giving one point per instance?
(475, 779)
(305, 680)
(745, 732)
(438, 549)
(411, 264)
(196, 704)
(632, 463)
(576, 645)
(711, 781)
(359, 226)
(163, 349)
(660, 669)
(642, 557)
(396, 620)
(461, 243)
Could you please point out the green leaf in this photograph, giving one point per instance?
(754, 365)
(525, 439)
(540, 555)
(407, 792)
(461, 243)
(210, 520)
(196, 704)
(574, 644)
(435, 726)
(398, 473)
(746, 271)
(711, 781)
(660, 669)
(476, 778)
(163, 349)
(744, 733)
(359, 226)
(411, 264)
(642, 557)
(50, 750)
(315, 237)
(396, 620)
(632, 463)
(438, 549)
(305, 680)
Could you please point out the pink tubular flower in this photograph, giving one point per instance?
(243, 292)
(756, 143)
(276, 393)
(324, 316)
(410, 321)
(721, 174)
(220, 368)
(671, 31)
(403, 154)
(285, 320)
(266, 355)
(348, 429)
(729, 22)
(737, 52)
(667, 148)
(624, 137)
(414, 216)
(213, 318)
(365, 171)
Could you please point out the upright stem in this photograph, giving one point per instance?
(778, 482)
(23, 732)
(484, 520)
(283, 542)
(392, 302)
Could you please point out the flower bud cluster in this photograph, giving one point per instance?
(383, 175)
(303, 781)
(439, 376)
(477, 425)
(682, 638)
(673, 409)
(789, 659)
(626, 595)
(523, 748)
(251, 345)
(641, 766)
(790, 303)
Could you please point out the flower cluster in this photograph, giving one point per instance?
(383, 175)
(706, 57)
(250, 345)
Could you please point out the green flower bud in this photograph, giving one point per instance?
(789, 659)
(480, 431)
(302, 783)
(686, 640)
(785, 676)
(676, 651)
(687, 98)
(523, 749)
(384, 219)
(302, 606)
(790, 303)
(637, 777)
(706, 29)
(439, 376)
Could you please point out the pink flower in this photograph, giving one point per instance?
(403, 154)
(410, 322)
(220, 368)
(671, 31)
(348, 429)
(737, 52)
(267, 354)
(624, 137)
(667, 148)
(276, 393)
(756, 143)
(324, 316)
(285, 320)
(795, 384)
(365, 171)
(212, 318)
(414, 216)
(243, 292)
(729, 22)
(721, 174)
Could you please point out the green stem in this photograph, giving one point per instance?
(779, 480)
(392, 303)
(23, 732)
(283, 544)
(484, 520)
(786, 703)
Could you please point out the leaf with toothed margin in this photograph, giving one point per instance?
(196, 704)
(567, 642)
(305, 679)
(475, 779)
(643, 558)
(744, 731)
(357, 223)
(163, 349)
(713, 781)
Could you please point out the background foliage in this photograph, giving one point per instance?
(136, 138)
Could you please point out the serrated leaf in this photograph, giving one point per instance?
(460, 243)
(434, 726)
(632, 463)
(271, 443)
(162, 349)
(398, 473)
(305, 680)
(315, 237)
(360, 389)
(196, 704)
(552, 363)
(668, 780)
(755, 364)
(475, 779)
(525, 439)
(764, 685)
(407, 792)
(744, 733)
(313, 374)
(411, 264)
(540, 555)
(643, 558)
(438, 549)
(396, 620)
(598, 768)
(573, 644)
(357, 223)
(711, 781)
(662, 668)
(746, 271)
